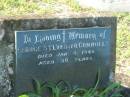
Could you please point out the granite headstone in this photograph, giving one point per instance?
(74, 55)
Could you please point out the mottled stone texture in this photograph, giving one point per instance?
(6, 58)
(7, 40)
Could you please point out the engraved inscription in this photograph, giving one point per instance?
(64, 46)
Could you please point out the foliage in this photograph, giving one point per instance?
(24, 95)
(20, 7)
(37, 7)
(64, 89)
(123, 39)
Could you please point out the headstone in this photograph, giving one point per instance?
(75, 55)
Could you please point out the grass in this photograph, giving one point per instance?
(123, 40)
(123, 36)
(61, 89)
(64, 89)
(21, 7)
(41, 7)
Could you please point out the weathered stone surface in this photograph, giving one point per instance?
(6, 59)
(2, 32)
(8, 38)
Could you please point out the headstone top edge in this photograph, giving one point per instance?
(76, 28)
(56, 17)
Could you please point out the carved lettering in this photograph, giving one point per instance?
(62, 54)
(75, 35)
(42, 56)
(46, 62)
(82, 59)
(42, 39)
(53, 48)
(65, 60)
(27, 39)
